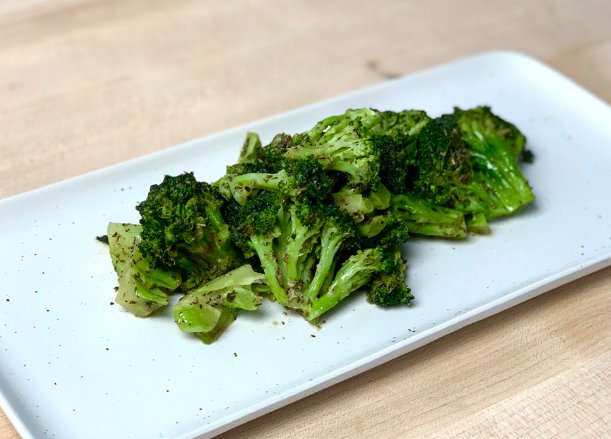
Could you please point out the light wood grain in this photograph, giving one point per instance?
(85, 84)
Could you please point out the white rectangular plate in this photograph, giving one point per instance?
(73, 366)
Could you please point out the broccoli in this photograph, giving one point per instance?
(427, 219)
(250, 149)
(296, 243)
(209, 309)
(337, 234)
(468, 161)
(183, 228)
(361, 203)
(375, 268)
(254, 227)
(342, 144)
(297, 178)
(315, 217)
(142, 289)
(394, 139)
(388, 287)
(495, 147)
(481, 123)
(405, 122)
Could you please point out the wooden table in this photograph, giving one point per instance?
(88, 83)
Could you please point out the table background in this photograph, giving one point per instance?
(89, 83)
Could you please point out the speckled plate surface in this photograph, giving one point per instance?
(72, 365)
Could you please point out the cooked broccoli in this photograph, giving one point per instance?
(183, 228)
(343, 144)
(251, 149)
(298, 178)
(209, 309)
(394, 140)
(468, 161)
(484, 125)
(322, 214)
(427, 219)
(254, 226)
(142, 288)
(388, 287)
(360, 204)
(296, 243)
(374, 269)
(337, 233)
(495, 147)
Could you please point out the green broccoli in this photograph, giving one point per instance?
(183, 228)
(374, 270)
(322, 214)
(495, 147)
(359, 204)
(296, 243)
(142, 288)
(394, 140)
(254, 227)
(342, 144)
(251, 149)
(426, 219)
(297, 178)
(468, 161)
(388, 288)
(209, 309)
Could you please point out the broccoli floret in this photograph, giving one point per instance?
(343, 144)
(359, 203)
(297, 244)
(183, 228)
(271, 158)
(482, 124)
(337, 232)
(142, 288)
(357, 272)
(495, 148)
(254, 227)
(388, 287)
(209, 309)
(406, 122)
(440, 162)
(298, 178)
(395, 140)
(468, 161)
(427, 219)
(375, 266)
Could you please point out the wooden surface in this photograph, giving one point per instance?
(85, 84)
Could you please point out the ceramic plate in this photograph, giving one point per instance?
(72, 365)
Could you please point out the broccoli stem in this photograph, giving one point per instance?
(331, 240)
(352, 275)
(297, 247)
(264, 248)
